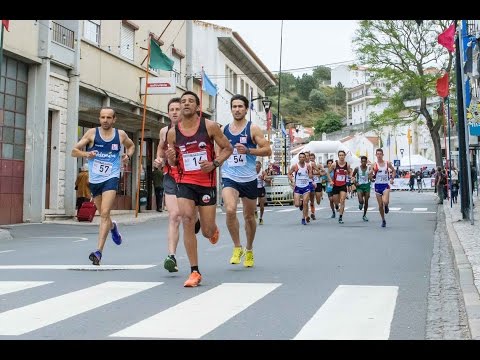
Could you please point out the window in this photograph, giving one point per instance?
(243, 88)
(91, 30)
(13, 108)
(127, 41)
(177, 68)
(230, 80)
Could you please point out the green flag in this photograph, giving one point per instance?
(158, 60)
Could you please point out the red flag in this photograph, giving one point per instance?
(6, 23)
(447, 38)
(442, 86)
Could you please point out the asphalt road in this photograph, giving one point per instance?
(321, 281)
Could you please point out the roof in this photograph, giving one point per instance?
(373, 140)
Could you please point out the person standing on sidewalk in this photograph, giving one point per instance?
(439, 183)
(157, 176)
(191, 148)
(239, 177)
(170, 187)
(82, 187)
(103, 151)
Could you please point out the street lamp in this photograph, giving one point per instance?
(401, 152)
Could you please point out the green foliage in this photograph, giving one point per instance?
(305, 85)
(403, 54)
(318, 99)
(340, 94)
(322, 73)
(328, 122)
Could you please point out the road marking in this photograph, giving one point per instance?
(395, 209)
(35, 316)
(288, 210)
(397, 212)
(75, 267)
(6, 251)
(353, 312)
(370, 208)
(82, 239)
(7, 287)
(201, 314)
(58, 237)
(420, 209)
(267, 210)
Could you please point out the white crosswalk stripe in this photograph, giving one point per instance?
(7, 287)
(199, 315)
(420, 209)
(368, 317)
(35, 316)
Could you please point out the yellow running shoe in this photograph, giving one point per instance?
(248, 261)
(236, 255)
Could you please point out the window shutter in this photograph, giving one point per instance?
(126, 42)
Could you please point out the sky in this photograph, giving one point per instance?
(306, 43)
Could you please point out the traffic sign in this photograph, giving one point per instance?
(396, 163)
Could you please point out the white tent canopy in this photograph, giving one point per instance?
(416, 162)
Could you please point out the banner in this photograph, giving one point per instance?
(159, 85)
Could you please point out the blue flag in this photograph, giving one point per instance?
(284, 131)
(388, 140)
(207, 85)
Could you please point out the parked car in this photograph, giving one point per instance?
(279, 192)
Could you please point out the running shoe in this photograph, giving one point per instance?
(116, 236)
(236, 255)
(304, 222)
(360, 206)
(170, 264)
(95, 257)
(365, 218)
(248, 261)
(260, 222)
(215, 236)
(313, 217)
(340, 220)
(384, 223)
(308, 219)
(333, 215)
(386, 209)
(193, 280)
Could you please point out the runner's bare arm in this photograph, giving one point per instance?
(170, 152)
(160, 159)
(129, 145)
(86, 139)
(263, 146)
(224, 147)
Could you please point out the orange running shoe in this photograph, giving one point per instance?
(193, 280)
(215, 236)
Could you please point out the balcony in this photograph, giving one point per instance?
(64, 41)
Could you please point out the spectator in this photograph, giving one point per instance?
(158, 186)
(419, 177)
(82, 186)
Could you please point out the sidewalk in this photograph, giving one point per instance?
(465, 240)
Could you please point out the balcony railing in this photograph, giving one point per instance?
(62, 35)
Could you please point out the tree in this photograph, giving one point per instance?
(287, 83)
(400, 52)
(322, 74)
(318, 99)
(305, 85)
(328, 122)
(340, 94)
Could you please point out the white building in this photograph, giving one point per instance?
(349, 75)
(233, 67)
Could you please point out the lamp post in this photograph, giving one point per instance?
(401, 152)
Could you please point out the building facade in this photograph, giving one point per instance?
(233, 67)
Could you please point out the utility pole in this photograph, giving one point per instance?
(278, 104)
(464, 166)
(189, 67)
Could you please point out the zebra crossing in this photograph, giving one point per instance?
(350, 312)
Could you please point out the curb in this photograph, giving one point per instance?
(471, 297)
(5, 235)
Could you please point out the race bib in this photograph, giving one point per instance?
(191, 161)
(340, 177)
(102, 168)
(382, 178)
(316, 179)
(237, 159)
(363, 179)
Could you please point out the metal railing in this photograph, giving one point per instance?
(63, 36)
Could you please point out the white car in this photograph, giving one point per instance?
(279, 192)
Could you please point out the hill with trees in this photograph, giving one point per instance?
(308, 100)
